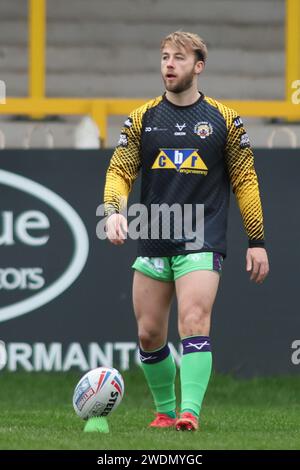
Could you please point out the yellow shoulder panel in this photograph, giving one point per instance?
(126, 160)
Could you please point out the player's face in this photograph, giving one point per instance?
(179, 68)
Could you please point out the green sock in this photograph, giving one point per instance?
(195, 373)
(160, 373)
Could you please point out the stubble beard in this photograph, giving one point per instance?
(184, 84)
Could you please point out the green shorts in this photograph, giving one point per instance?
(170, 268)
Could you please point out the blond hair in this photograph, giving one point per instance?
(186, 40)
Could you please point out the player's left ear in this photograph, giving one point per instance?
(199, 67)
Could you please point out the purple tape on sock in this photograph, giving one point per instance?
(154, 356)
(196, 344)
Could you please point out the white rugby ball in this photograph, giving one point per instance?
(98, 392)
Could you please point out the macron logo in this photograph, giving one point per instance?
(143, 359)
(197, 346)
(180, 127)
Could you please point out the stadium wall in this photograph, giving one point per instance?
(65, 296)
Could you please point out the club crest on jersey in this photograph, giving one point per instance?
(203, 129)
(181, 160)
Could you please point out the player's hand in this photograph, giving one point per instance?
(116, 229)
(257, 263)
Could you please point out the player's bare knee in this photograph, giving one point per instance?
(150, 340)
(194, 321)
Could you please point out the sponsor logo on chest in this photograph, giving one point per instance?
(181, 160)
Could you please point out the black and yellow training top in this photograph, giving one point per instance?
(187, 155)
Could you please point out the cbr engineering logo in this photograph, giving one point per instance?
(25, 226)
(181, 160)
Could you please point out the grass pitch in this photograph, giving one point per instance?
(36, 413)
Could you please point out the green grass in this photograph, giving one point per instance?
(36, 413)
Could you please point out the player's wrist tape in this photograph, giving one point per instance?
(256, 243)
(110, 211)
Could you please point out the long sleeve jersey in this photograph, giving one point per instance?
(189, 156)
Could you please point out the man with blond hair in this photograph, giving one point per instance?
(189, 148)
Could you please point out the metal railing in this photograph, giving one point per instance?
(38, 105)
